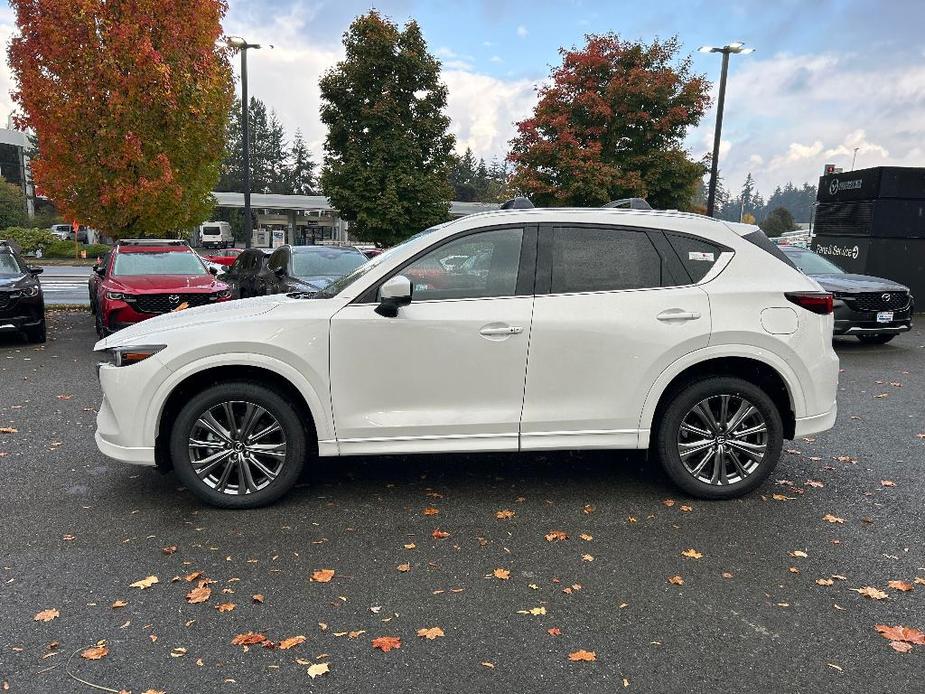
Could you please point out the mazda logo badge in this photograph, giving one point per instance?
(174, 298)
(833, 187)
(885, 297)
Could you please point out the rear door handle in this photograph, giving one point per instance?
(502, 330)
(677, 315)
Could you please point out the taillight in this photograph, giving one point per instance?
(817, 302)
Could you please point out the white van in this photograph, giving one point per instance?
(216, 235)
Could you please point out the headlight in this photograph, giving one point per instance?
(126, 356)
(120, 296)
(25, 292)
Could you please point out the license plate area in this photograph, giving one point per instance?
(884, 316)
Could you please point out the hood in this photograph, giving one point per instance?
(159, 284)
(200, 316)
(851, 284)
(10, 281)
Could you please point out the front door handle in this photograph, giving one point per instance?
(496, 331)
(674, 314)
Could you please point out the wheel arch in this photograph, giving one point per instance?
(774, 379)
(196, 381)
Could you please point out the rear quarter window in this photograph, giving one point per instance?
(698, 256)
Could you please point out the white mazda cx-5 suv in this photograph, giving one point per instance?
(514, 330)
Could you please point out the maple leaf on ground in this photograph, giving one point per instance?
(668, 502)
(676, 580)
(888, 483)
(198, 595)
(586, 656)
(829, 518)
(503, 574)
(404, 568)
(439, 534)
(258, 598)
(46, 615)
(117, 604)
(431, 511)
(824, 581)
(554, 631)
(900, 646)
(692, 554)
(504, 514)
(535, 611)
(901, 633)
(431, 633)
(144, 583)
(588, 508)
(904, 586)
(169, 550)
(386, 643)
(322, 575)
(727, 574)
(291, 642)
(248, 638)
(586, 537)
(870, 592)
(556, 536)
(95, 652)
(225, 607)
(318, 669)
(587, 557)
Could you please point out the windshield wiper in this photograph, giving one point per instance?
(302, 295)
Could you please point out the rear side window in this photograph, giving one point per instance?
(595, 259)
(698, 256)
(758, 238)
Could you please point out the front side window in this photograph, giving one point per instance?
(277, 260)
(479, 265)
(8, 265)
(595, 259)
(171, 263)
(330, 262)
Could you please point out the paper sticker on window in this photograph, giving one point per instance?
(697, 255)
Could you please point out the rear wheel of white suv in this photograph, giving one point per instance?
(719, 437)
(238, 445)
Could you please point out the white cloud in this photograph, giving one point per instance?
(496, 59)
(522, 31)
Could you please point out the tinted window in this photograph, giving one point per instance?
(758, 238)
(594, 259)
(171, 263)
(326, 262)
(697, 255)
(278, 260)
(479, 265)
(813, 264)
(8, 265)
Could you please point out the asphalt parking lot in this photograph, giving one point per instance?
(747, 615)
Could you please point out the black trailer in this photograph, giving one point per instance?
(872, 222)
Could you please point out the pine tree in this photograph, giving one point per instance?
(387, 152)
(302, 168)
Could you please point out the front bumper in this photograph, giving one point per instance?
(816, 424)
(850, 321)
(20, 314)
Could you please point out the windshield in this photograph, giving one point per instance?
(331, 262)
(172, 263)
(339, 285)
(8, 265)
(812, 264)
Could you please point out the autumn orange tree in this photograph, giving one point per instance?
(128, 100)
(610, 124)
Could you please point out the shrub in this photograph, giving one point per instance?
(65, 249)
(29, 239)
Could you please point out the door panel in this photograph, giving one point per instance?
(443, 375)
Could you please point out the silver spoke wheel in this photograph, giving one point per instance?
(237, 447)
(722, 439)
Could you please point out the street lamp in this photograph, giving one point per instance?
(242, 45)
(735, 47)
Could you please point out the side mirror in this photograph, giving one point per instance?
(280, 271)
(36, 270)
(100, 270)
(213, 270)
(393, 294)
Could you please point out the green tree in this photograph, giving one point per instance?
(302, 179)
(777, 222)
(610, 124)
(387, 152)
(12, 205)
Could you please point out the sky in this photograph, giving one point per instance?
(828, 76)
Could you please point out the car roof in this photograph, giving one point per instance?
(318, 249)
(154, 249)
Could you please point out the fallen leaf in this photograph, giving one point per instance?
(556, 536)
(488, 664)
(189, 578)
(587, 557)
(870, 592)
(727, 574)
(169, 550)
(668, 502)
(8, 430)
(535, 611)
(431, 511)
(431, 633)
(799, 553)
(503, 574)
(386, 643)
(318, 669)
(95, 652)
(781, 497)
(888, 483)
(291, 642)
(248, 638)
(586, 537)
(258, 598)
(904, 586)
(404, 567)
(676, 580)
(323, 575)
(178, 652)
(144, 583)
(46, 615)
(816, 484)
(588, 508)
(504, 514)
(119, 604)
(198, 595)
(793, 570)
(69, 538)
(554, 631)
(410, 545)
(692, 554)
(901, 633)
(829, 518)
(587, 656)
(901, 646)
(824, 581)
(687, 509)
(225, 607)
(440, 534)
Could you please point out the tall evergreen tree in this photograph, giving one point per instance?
(302, 168)
(387, 152)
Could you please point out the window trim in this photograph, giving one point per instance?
(723, 249)
(526, 270)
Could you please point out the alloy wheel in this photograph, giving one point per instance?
(722, 439)
(237, 447)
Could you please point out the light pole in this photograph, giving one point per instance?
(855, 157)
(242, 46)
(735, 47)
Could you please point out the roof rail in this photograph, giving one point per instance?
(152, 242)
(630, 203)
(518, 203)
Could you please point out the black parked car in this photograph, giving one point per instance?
(241, 275)
(303, 269)
(22, 305)
(873, 309)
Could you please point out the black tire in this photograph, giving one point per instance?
(668, 438)
(875, 339)
(38, 334)
(100, 328)
(292, 433)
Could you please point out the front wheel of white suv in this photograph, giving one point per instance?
(719, 437)
(238, 445)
